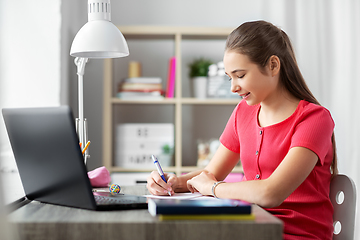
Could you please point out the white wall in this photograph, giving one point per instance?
(29, 74)
(29, 59)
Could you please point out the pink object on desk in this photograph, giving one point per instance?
(99, 177)
(234, 177)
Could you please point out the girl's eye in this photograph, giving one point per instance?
(237, 77)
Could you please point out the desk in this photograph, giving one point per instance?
(44, 221)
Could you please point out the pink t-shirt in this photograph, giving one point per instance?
(307, 212)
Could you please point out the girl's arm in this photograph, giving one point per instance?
(270, 192)
(222, 163)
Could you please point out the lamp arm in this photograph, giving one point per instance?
(81, 121)
(80, 63)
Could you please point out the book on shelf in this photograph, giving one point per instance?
(197, 207)
(141, 95)
(170, 88)
(149, 80)
(207, 217)
(141, 88)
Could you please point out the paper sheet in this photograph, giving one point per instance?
(187, 195)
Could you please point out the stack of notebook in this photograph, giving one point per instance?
(200, 209)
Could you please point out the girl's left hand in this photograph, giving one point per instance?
(202, 183)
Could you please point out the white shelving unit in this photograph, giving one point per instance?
(112, 105)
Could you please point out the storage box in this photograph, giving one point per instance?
(136, 142)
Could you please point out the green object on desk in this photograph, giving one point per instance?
(209, 217)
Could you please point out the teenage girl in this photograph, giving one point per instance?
(280, 132)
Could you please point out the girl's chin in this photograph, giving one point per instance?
(250, 103)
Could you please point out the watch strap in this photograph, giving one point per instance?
(213, 188)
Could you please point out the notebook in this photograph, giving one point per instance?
(198, 207)
(50, 162)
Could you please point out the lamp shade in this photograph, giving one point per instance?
(99, 38)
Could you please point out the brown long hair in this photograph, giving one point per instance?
(259, 40)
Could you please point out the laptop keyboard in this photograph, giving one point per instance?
(102, 200)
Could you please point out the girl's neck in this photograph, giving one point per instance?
(277, 109)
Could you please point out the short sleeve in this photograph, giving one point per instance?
(229, 138)
(314, 132)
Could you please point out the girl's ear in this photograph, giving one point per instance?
(274, 65)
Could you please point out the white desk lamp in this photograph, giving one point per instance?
(98, 38)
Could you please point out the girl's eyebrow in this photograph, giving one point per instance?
(235, 71)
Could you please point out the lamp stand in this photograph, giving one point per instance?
(81, 122)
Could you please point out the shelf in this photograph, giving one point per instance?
(192, 118)
(208, 32)
(120, 169)
(210, 101)
(184, 169)
(206, 101)
(140, 101)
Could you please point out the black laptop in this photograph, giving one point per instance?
(50, 162)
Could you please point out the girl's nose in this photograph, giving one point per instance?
(234, 87)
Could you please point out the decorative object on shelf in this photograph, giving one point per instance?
(198, 74)
(206, 150)
(134, 69)
(218, 84)
(165, 157)
(136, 142)
(171, 78)
(98, 38)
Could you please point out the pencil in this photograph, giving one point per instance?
(87, 145)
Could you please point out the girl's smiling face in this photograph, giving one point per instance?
(253, 85)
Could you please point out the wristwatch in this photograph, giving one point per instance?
(213, 188)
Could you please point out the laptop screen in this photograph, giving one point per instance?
(48, 156)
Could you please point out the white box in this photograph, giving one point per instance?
(136, 142)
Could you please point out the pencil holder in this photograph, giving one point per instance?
(83, 136)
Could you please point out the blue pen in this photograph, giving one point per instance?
(159, 169)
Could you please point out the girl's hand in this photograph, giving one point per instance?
(202, 183)
(157, 186)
